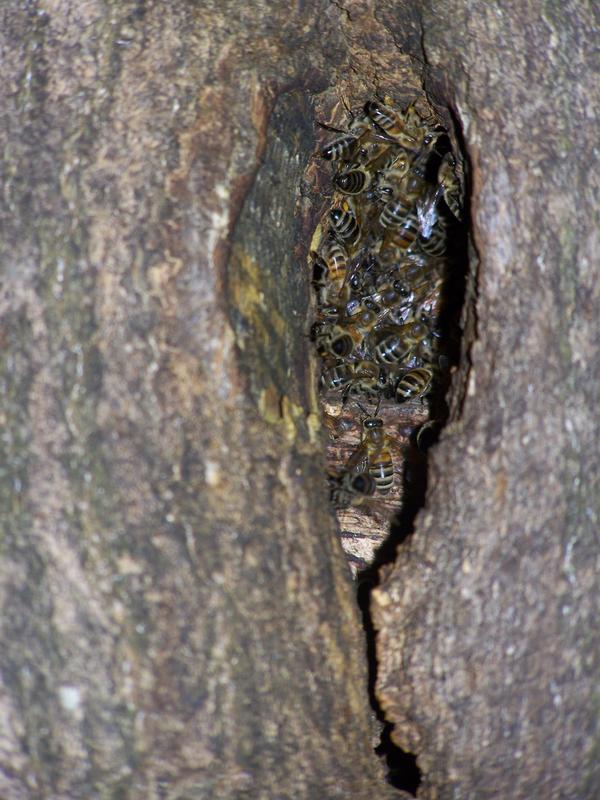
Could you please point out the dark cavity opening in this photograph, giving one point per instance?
(338, 227)
(403, 772)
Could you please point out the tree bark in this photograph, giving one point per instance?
(488, 642)
(179, 620)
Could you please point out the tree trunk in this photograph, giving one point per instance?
(179, 619)
(488, 642)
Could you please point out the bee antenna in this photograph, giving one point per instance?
(328, 127)
(362, 408)
(345, 104)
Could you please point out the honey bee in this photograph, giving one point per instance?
(336, 340)
(343, 147)
(406, 184)
(391, 122)
(392, 294)
(413, 274)
(345, 225)
(373, 455)
(335, 256)
(425, 131)
(359, 124)
(427, 349)
(435, 243)
(398, 344)
(337, 376)
(367, 322)
(371, 154)
(353, 181)
(402, 224)
(449, 185)
(351, 489)
(345, 144)
(368, 378)
(362, 271)
(400, 215)
(414, 383)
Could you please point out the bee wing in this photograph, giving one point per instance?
(427, 212)
(358, 461)
(374, 507)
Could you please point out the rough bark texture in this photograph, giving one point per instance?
(488, 624)
(178, 619)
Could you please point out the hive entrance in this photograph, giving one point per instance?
(387, 260)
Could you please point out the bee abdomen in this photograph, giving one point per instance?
(382, 117)
(353, 181)
(452, 198)
(394, 213)
(342, 147)
(336, 377)
(407, 233)
(381, 469)
(345, 225)
(391, 349)
(335, 257)
(413, 384)
(435, 244)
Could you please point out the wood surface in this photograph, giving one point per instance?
(178, 617)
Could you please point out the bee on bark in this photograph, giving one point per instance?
(344, 146)
(373, 455)
(378, 275)
(391, 122)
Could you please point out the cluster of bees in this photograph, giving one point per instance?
(379, 263)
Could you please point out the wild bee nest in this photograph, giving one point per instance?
(380, 261)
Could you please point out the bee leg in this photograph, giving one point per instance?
(346, 393)
(329, 127)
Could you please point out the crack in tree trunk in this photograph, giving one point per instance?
(179, 620)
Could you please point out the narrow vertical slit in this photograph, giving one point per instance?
(354, 239)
